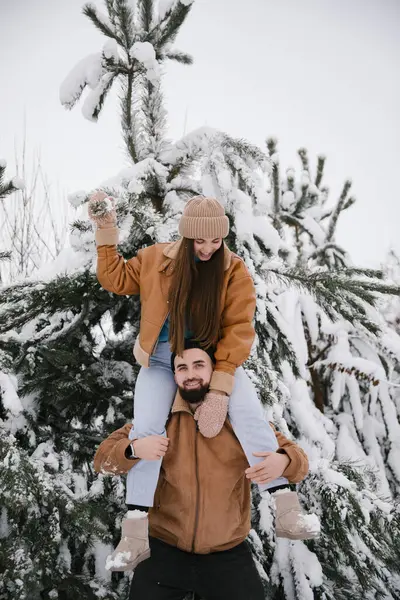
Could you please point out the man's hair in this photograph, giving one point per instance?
(195, 297)
(189, 345)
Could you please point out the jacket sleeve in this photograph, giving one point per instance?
(237, 329)
(113, 272)
(110, 455)
(297, 469)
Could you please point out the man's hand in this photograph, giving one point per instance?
(151, 447)
(269, 469)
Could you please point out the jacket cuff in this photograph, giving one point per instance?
(107, 237)
(222, 382)
(124, 464)
(293, 469)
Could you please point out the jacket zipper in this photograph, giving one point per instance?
(196, 520)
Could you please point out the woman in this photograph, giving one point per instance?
(194, 288)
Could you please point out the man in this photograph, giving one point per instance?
(201, 514)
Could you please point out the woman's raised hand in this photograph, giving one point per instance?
(101, 210)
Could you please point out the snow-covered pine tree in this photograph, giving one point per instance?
(67, 373)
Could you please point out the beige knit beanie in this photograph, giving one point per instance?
(203, 218)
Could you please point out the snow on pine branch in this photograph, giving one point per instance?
(196, 143)
(165, 7)
(18, 183)
(102, 18)
(93, 102)
(87, 72)
(8, 394)
(134, 176)
(144, 53)
(110, 50)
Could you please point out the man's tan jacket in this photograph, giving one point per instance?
(202, 502)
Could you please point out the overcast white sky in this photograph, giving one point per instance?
(317, 73)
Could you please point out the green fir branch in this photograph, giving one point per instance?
(171, 28)
(124, 17)
(337, 210)
(320, 170)
(91, 12)
(106, 89)
(146, 14)
(303, 154)
(181, 57)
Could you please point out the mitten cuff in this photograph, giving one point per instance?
(107, 237)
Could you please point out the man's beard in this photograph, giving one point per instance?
(194, 396)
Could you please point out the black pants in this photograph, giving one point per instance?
(170, 574)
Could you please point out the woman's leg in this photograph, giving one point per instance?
(253, 431)
(154, 394)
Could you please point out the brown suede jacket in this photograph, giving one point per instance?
(202, 501)
(149, 274)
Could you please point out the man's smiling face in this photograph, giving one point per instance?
(193, 373)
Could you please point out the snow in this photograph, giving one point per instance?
(64, 555)
(314, 229)
(8, 394)
(311, 312)
(311, 523)
(298, 568)
(110, 49)
(335, 479)
(199, 140)
(134, 177)
(144, 53)
(136, 514)
(45, 453)
(267, 514)
(164, 6)
(92, 100)
(263, 228)
(3, 163)
(275, 158)
(101, 552)
(391, 340)
(305, 178)
(287, 200)
(136, 187)
(121, 559)
(18, 183)
(87, 71)
(77, 198)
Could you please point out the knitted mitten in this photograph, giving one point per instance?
(101, 210)
(211, 414)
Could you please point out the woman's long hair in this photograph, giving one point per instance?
(195, 297)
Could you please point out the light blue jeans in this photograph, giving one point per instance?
(154, 394)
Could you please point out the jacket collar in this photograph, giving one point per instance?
(180, 405)
(171, 252)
